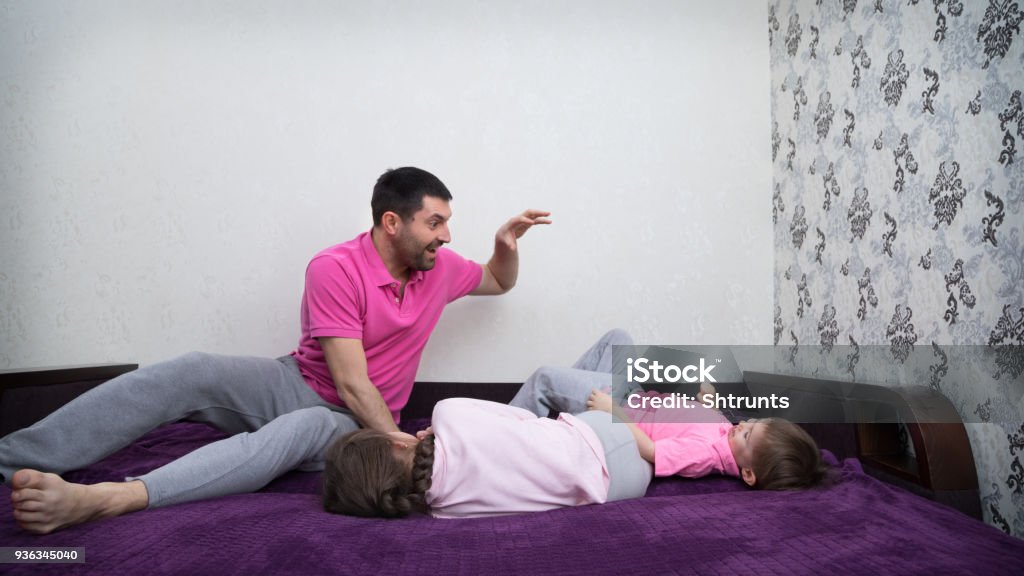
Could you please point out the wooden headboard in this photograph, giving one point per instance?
(27, 396)
(872, 418)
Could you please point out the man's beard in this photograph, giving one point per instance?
(416, 255)
(422, 262)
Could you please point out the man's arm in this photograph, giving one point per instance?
(346, 360)
(502, 270)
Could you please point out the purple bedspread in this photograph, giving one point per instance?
(707, 526)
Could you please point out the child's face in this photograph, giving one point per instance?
(743, 438)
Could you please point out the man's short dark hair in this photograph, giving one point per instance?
(401, 191)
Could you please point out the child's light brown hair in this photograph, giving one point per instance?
(787, 458)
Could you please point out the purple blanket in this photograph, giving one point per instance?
(712, 525)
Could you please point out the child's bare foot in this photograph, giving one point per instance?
(599, 401)
(707, 394)
(44, 502)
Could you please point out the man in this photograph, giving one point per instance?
(369, 307)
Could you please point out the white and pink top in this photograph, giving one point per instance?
(492, 459)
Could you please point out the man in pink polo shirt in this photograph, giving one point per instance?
(371, 303)
(367, 312)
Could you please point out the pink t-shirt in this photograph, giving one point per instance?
(350, 294)
(694, 448)
(492, 459)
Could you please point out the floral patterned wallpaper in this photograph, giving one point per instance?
(897, 136)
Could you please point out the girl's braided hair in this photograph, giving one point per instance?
(363, 476)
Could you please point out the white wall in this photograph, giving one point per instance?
(167, 169)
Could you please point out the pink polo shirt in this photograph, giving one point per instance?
(350, 294)
(695, 448)
(492, 459)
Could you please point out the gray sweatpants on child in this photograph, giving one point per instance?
(567, 389)
(628, 473)
(277, 422)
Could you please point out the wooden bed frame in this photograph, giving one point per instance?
(27, 396)
(941, 467)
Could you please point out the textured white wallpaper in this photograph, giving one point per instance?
(898, 204)
(167, 169)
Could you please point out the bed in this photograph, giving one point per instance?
(712, 525)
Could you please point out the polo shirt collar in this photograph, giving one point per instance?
(380, 273)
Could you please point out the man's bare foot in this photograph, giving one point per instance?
(44, 502)
(599, 401)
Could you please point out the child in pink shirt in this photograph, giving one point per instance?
(767, 453)
(698, 443)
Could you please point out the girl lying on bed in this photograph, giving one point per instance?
(689, 442)
(482, 458)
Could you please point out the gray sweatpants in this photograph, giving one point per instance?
(277, 422)
(567, 389)
(628, 473)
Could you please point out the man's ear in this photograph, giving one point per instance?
(390, 222)
(748, 476)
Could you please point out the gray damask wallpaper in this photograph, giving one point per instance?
(898, 149)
